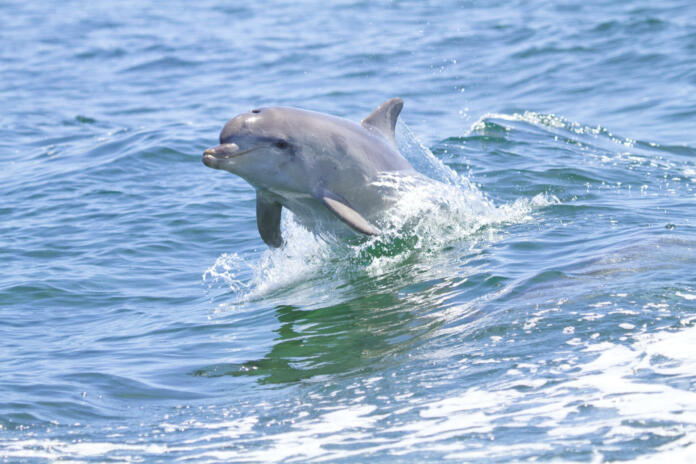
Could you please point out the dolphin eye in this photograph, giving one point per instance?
(282, 144)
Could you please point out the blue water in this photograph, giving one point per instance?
(538, 305)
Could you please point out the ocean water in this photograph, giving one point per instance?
(539, 304)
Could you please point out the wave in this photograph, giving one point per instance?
(595, 136)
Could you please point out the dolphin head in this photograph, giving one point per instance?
(320, 167)
(259, 147)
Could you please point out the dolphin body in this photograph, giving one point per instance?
(324, 169)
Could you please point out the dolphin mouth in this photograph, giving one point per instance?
(212, 156)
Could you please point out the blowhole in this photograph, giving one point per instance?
(256, 111)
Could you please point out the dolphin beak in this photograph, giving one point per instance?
(212, 156)
(222, 151)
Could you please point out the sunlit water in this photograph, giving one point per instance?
(536, 302)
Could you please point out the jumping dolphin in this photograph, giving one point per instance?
(320, 167)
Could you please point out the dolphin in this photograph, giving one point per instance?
(324, 169)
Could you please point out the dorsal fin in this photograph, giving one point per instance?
(383, 119)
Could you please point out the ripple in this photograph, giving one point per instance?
(161, 64)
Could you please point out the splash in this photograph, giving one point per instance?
(304, 253)
(430, 214)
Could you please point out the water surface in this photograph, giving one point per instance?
(538, 304)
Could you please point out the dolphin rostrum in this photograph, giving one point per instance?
(320, 167)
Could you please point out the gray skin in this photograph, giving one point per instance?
(322, 168)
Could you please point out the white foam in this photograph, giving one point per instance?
(76, 451)
(308, 439)
(625, 407)
(607, 382)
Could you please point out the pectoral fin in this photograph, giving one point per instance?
(347, 214)
(268, 220)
